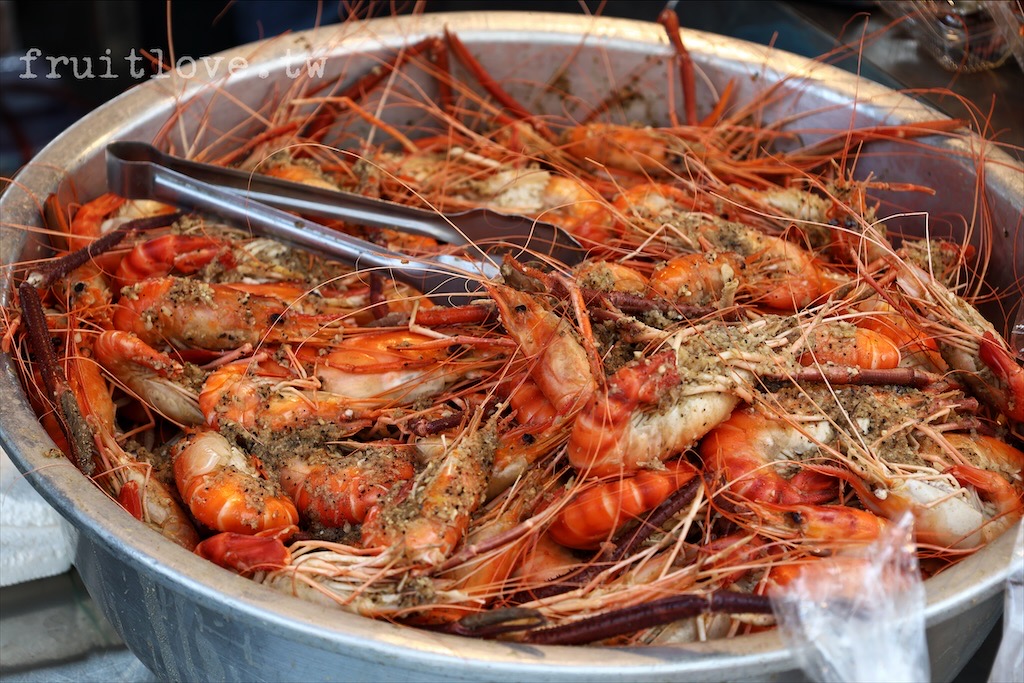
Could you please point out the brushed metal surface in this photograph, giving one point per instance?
(187, 619)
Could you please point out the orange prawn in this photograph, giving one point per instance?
(601, 508)
(699, 279)
(331, 492)
(610, 276)
(262, 394)
(826, 523)
(167, 254)
(246, 553)
(350, 305)
(850, 347)
(777, 274)
(145, 497)
(190, 314)
(295, 172)
(645, 151)
(881, 460)
(578, 209)
(539, 424)
(394, 365)
(613, 435)
(130, 481)
(915, 346)
(974, 350)
(87, 286)
(559, 366)
(224, 489)
(482, 566)
(154, 377)
(738, 458)
(985, 464)
(995, 489)
(424, 522)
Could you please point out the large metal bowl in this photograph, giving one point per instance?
(188, 619)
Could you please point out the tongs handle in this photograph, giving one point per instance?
(478, 230)
(444, 278)
(303, 199)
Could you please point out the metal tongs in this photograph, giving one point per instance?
(136, 170)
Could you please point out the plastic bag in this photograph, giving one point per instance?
(1009, 663)
(859, 614)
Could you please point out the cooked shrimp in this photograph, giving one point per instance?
(482, 566)
(601, 508)
(297, 172)
(350, 304)
(985, 452)
(224, 489)
(843, 344)
(152, 376)
(741, 453)
(781, 275)
(265, 395)
(609, 276)
(699, 279)
(635, 423)
(545, 396)
(399, 365)
(190, 314)
(167, 254)
(87, 287)
(559, 363)
(996, 490)
(145, 497)
(333, 491)
(986, 465)
(130, 481)
(833, 524)
(778, 274)
(969, 343)
(630, 148)
(88, 223)
(578, 209)
(425, 521)
(916, 347)
(898, 460)
(941, 516)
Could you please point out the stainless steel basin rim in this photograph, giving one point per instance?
(238, 629)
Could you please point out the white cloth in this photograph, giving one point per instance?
(35, 541)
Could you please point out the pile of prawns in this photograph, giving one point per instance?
(745, 375)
